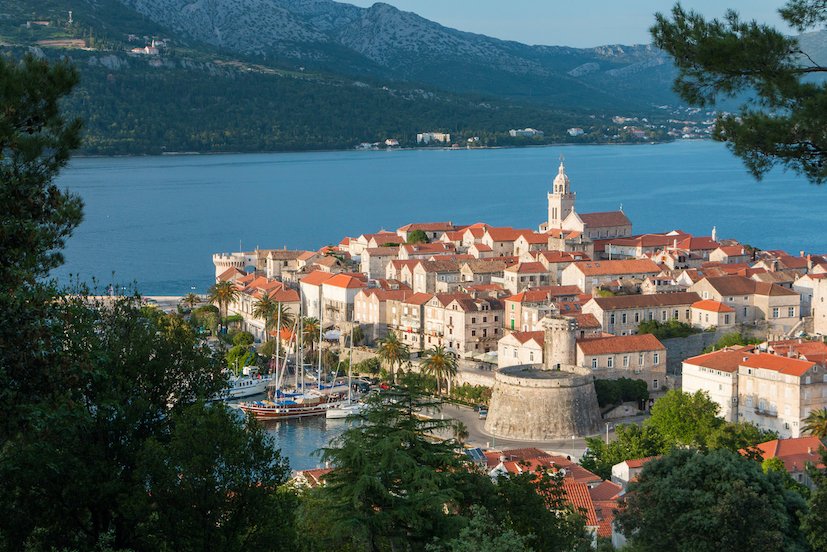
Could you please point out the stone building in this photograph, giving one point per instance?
(552, 400)
(640, 357)
(623, 314)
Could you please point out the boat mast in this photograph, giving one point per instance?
(350, 367)
(278, 350)
(299, 356)
(321, 330)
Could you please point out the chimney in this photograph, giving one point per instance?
(774, 265)
(502, 458)
(801, 253)
(809, 262)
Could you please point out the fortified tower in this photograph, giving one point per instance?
(555, 400)
(560, 199)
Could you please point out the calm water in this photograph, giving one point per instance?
(299, 440)
(157, 220)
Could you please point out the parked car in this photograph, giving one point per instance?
(483, 413)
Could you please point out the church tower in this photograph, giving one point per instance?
(560, 199)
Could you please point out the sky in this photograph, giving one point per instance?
(581, 24)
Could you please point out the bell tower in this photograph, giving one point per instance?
(560, 199)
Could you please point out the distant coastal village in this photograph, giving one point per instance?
(544, 319)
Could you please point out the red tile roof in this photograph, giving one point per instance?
(647, 301)
(230, 273)
(524, 337)
(605, 219)
(620, 344)
(712, 306)
(527, 268)
(795, 453)
(345, 281)
(428, 227)
(639, 462)
(418, 298)
(506, 234)
(725, 360)
(316, 278)
(782, 365)
(631, 266)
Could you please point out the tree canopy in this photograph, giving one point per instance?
(715, 501)
(783, 112)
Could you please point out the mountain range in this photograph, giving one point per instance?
(260, 75)
(386, 43)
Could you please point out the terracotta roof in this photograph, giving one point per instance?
(631, 266)
(524, 337)
(725, 360)
(328, 261)
(481, 266)
(739, 285)
(439, 266)
(230, 273)
(382, 251)
(732, 250)
(345, 281)
(620, 344)
(314, 477)
(428, 227)
(700, 243)
(399, 264)
(307, 255)
(534, 239)
(639, 462)
(606, 490)
(605, 219)
(578, 495)
(799, 346)
(476, 231)
(316, 278)
(782, 365)
(527, 268)
(482, 248)
(559, 256)
(418, 299)
(506, 234)
(644, 301)
(712, 306)
(427, 248)
(543, 294)
(283, 295)
(586, 321)
(795, 453)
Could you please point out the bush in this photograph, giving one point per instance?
(732, 339)
(471, 394)
(243, 339)
(667, 330)
(613, 392)
(368, 366)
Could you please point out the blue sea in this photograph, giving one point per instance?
(157, 220)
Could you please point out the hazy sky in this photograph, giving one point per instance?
(581, 23)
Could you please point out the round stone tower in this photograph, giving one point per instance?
(555, 400)
(560, 342)
(542, 405)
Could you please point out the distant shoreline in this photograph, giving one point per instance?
(268, 152)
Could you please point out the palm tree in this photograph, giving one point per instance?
(816, 423)
(310, 333)
(440, 364)
(190, 300)
(273, 312)
(223, 293)
(393, 352)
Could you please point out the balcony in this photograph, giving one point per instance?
(766, 413)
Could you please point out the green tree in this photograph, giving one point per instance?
(730, 340)
(235, 473)
(684, 419)
(222, 294)
(392, 483)
(310, 334)
(631, 441)
(716, 501)
(36, 218)
(245, 339)
(784, 119)
(738, 435)
(483, 534)
(812, 521)
(190, 300)
(418, 236)
(393, 352)
(816, 423)
(441, 365)
(273, 313)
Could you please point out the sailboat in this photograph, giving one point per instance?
(349, 408)
(298, 404)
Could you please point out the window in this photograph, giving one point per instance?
(745, 311)
(651, 316)
(612, 318)
(531, 356)
(623, 318)
(594, 363)
(515, 352)
(625, 361)
(791, 311)
(473, 332)
(640, 359)
(655, 384)
(663, 316)
(675, 313)
(496, 318)
(687, 314)
(637, 317)
(473, 320)
(775, 312)
(610, 363)
(512, 306)
(726, 319)
(656, 358)
(485, 319)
